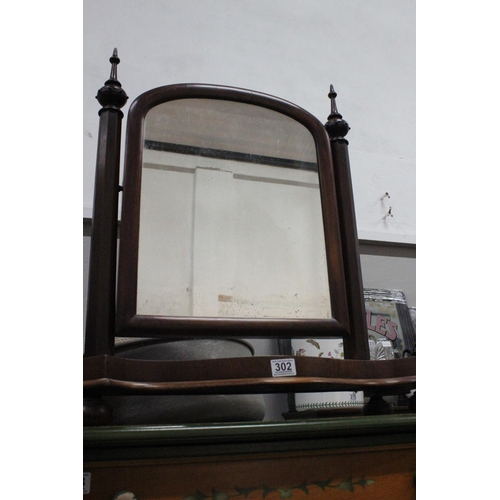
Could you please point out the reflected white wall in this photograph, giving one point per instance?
(229, 238)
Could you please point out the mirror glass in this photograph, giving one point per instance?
(230, 217)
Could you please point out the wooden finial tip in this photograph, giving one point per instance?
(332, 95)
(113, 76)
(112, 95)
(114, 59)
(336, 127)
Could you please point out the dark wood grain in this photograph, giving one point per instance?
(356, 343)
(100, 324)
(112, 375)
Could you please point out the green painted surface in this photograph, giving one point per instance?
(127, 442)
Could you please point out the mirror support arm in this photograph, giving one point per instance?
(100, 324)
(356, 344)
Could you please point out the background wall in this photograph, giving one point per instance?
(288, 48)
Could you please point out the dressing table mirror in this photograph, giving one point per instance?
(237, 221)
(236, 232)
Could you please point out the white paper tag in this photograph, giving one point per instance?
(86, 483)
(283, 367)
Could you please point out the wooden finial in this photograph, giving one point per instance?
(336, 127)
(112, 95)
(334, 111)
(114, 60)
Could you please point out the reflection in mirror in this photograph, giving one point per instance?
(230, 218)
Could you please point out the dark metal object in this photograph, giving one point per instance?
(100, 325)
(164, 409)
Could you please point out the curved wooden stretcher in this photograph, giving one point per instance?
(113, 375)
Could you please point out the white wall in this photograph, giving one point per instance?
(289, 48)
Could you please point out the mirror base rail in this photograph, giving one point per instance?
(110, 375)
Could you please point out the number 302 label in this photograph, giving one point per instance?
(283, 367)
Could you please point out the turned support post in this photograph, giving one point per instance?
(356, 343)
(100, 324)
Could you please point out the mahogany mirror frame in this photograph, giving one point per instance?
(131, 324)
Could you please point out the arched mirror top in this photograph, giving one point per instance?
(259, 102)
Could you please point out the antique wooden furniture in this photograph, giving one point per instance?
(185, 107)
(362, 458)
